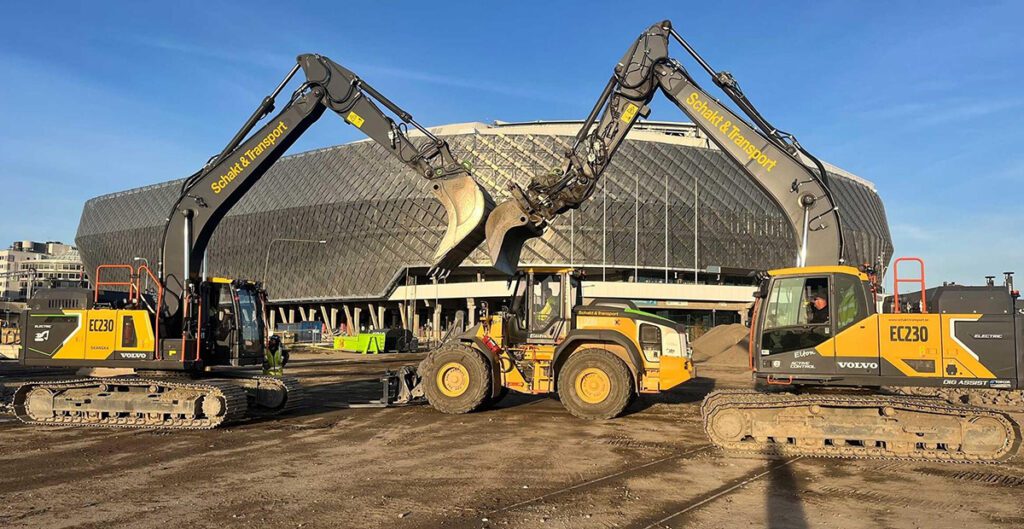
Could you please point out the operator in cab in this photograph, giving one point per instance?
(819, 308)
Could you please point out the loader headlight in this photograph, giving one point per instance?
(650, 340)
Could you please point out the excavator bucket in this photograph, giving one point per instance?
(468, 206)
(508, 229)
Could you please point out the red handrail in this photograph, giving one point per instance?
(753, 326)
(896, 280)
(199, 330)
(131, 275)
(184, 314)
(159, 305)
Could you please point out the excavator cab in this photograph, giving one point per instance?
(800, 312)
(236, 325)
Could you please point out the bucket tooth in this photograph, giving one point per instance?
(508, 229)
(467, 205)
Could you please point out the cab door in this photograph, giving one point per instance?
(795, 334)
(547, 309)
(856, 339)
(250, 325)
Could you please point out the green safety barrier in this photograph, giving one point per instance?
(365, 343)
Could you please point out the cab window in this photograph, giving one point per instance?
(546, 300)
(248, 316)
(797, 315)
(851, 306)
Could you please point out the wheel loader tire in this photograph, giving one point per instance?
(456, 379)
(595, 384)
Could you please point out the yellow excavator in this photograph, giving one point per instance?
(916, 380)
(175, 349)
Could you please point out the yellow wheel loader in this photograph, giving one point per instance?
(597, 356)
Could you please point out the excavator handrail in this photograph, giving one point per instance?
(159, 303)
(896, 280)
(99, 282)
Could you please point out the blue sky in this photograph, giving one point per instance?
(924, 99)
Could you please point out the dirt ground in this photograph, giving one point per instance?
(525, 464)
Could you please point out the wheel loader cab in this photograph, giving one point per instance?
(542, 304)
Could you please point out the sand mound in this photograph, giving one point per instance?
(722, 345)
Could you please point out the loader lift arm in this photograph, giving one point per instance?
(769, 156)
(209, 194)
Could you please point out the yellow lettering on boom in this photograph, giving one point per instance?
(701, 109)
(249, 157)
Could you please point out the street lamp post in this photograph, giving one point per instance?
(266, 263)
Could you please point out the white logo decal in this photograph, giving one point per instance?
(802, 354)
(858, 365)
(952, 334)
(133, 355)
(43, 336)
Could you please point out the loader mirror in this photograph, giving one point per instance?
(467, 206)
(515, 278)
(762, 290)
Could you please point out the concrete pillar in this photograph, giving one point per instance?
(284, 317)
(437, 322)
(348, 319)
(302, 312)
(373, 316)
(356, 313)
(403, 314)
(291, 315)
(334, 318)
(380, 317)
(471, 309)
(273, 321)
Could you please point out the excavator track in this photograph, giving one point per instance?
(131, 402)
(271, 395)
(1000, 399)
(858, 426)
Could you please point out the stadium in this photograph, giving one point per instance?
(343, 235)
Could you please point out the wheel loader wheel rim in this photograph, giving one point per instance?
(453, 379)
(593, 385)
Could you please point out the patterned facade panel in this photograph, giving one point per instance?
(378, 218)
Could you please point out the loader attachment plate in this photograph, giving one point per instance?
(467, 206)
(508, 230)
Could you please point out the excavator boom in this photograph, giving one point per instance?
(208, 195)
(771, 158)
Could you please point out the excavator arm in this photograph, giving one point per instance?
(771, 158)
(209, 194)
